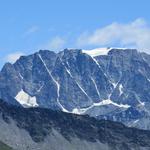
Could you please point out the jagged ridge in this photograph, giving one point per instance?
(40, 124)
(114, 86)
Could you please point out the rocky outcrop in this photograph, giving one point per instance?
(38, 128)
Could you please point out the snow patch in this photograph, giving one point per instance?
(26, 100)
(101, 51)
(136, 121)
(68, 71)
(108, 102)
(21, 76)
(120, 89)
(101, 103)
(78, 111)
(95, 86)
(97, 51)
(82, 89)
(148, 80)
(39, 90)
(142, 103)
(114, 84)
(121, 48)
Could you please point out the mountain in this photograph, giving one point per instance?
(109, 83)
(39, 128)
(4, 146)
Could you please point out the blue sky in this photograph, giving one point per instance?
(29, 25)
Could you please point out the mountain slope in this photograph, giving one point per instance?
(106, 83)
(37, 128)
(4, 146)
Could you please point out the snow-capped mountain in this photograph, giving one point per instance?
(110, 83)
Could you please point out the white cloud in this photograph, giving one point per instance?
(134, 34)
(13, 57)
(31, 30)
(55, 44)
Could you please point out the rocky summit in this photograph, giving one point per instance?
(108, 83)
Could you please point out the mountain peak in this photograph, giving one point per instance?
(73, 81)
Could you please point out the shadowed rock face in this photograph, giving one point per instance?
(37, 128)
(4, 146)
(73, 81)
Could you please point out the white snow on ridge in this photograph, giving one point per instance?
(97, 51)
(26, 100)
(108, 102)
(121, 48)
(101, 51)
(78, 111)
(102, 103)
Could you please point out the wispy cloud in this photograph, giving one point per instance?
(55, 43)
(13, 57)
(31, 30)
(134, 34)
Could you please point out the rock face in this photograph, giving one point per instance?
(38, 128)
(114, 84)
(4, 146)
